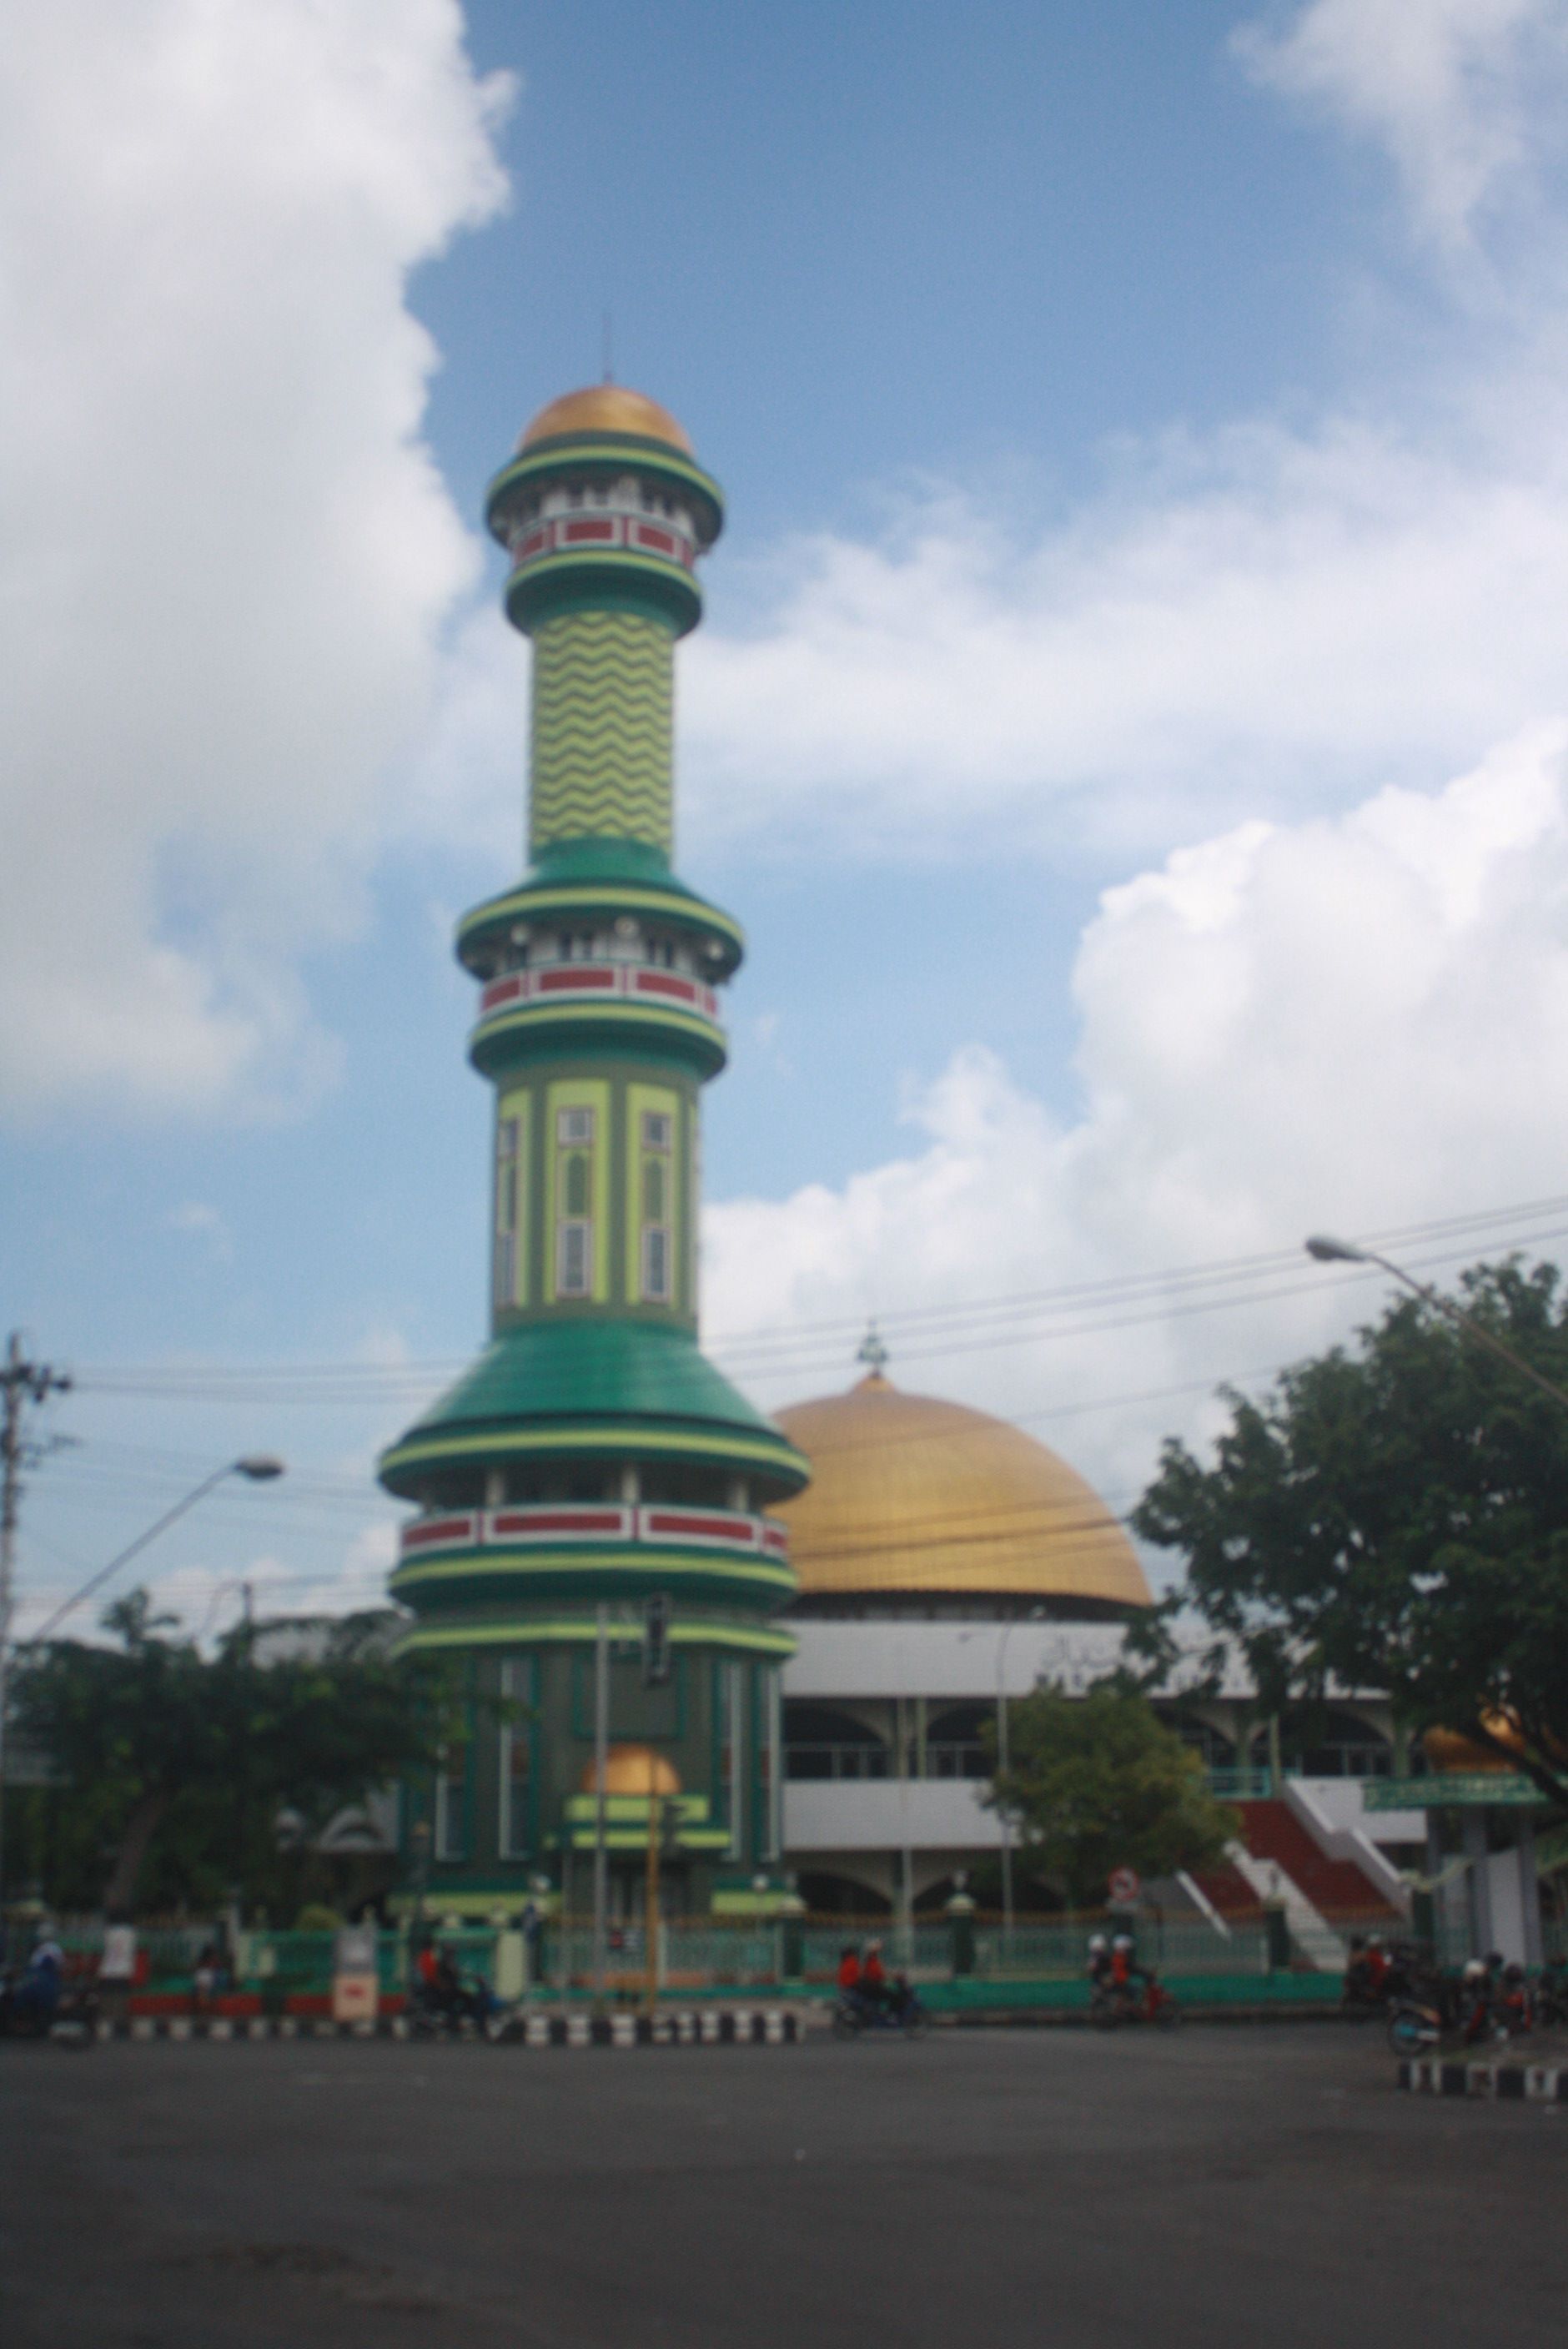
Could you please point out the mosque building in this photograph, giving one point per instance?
(946, 1561)
(791, 1641)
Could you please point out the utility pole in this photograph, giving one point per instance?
(601, 1772)
(21, 1383)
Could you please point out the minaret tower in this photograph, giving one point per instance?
(593, 1455)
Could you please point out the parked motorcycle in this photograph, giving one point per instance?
(1415, 2027)
(1552, 1996)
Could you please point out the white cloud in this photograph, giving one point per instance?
(1457, 92)
(1350, 1023)
(1272, 620)
(225, 555)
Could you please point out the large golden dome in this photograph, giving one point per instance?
(607, 407)
(921, 1499)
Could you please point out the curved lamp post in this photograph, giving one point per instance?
(261, 1468)
(1331, 1251)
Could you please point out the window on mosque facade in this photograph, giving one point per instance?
(574, 1203)
(656, 1282)
(507, 1176)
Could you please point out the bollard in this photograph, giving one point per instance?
(1276, 1925)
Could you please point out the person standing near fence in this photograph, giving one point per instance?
(117, 1969)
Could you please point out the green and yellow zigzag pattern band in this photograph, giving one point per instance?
(603, 730)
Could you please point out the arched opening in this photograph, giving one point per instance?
(1318, 1741)
(1213, 1747)
(826, 1894)
(820, 1742)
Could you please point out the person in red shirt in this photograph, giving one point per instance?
(848, 1975)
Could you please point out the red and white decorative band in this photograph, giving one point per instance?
(569, 533)
(639, 981)
(552, 1523)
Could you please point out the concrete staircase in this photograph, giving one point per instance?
(1281, 1859)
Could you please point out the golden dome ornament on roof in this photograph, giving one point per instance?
(634, 1770)
(914, 1498)
(612, 409)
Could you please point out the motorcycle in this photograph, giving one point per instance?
(1110, 2006)
(1552, 1996)
(70, 2022)
(1371, 1990)
(470, 2006)
(854, 2014)
(1414, 2026)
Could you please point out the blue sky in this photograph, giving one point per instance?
(1128, 717)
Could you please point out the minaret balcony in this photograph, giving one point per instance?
(593, 534)
(551, 1522)
(561, 1547)
(638, 996)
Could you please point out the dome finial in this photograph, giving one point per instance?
(872, 1351)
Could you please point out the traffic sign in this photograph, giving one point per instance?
(1123, 1887)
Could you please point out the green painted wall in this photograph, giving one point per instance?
(601, 737)
(640, 1155)
(710, 1723)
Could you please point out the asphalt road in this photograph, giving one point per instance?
(1228, 2185)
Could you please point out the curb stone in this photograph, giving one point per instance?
(768, 2026)
(1541, 2083)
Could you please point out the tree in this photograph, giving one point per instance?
(1394, 1517)
(1097, 1782)
(149, 1732)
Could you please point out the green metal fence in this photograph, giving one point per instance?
(1061, 1951)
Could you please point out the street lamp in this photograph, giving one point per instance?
(261, 1468)
(1331, 1251)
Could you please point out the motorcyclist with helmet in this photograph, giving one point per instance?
(30, 2000)
(1475, 1999)
(1128, 1980)
(1513, 2001)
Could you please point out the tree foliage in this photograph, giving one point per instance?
(1394, 1517)
(1098, 1782)
(152, 1736)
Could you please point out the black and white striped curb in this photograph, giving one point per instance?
(768, 2026)
(1542, 2084)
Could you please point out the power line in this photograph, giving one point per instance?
(963, 1327)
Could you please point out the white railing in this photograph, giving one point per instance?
(601, 982)
(549, 1523)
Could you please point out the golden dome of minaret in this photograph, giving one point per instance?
(914, 1497)
(612, 408)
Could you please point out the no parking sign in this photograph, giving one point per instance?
(1124, 1888)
